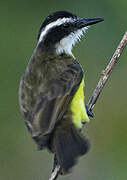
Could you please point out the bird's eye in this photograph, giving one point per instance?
(66, 25)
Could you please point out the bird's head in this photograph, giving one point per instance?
(62, 30)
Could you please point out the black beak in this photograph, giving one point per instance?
(87, 22)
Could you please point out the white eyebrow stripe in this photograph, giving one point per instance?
(55, 23)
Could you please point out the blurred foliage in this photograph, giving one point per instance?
(20, 21)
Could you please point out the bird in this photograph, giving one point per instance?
(51, 90)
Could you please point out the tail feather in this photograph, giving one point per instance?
(68, 146)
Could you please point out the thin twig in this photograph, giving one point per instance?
(107, 72)
(105, 76)
(55, 173)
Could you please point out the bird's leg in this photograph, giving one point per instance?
(89, 112)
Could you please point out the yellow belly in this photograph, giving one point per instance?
(77, 107)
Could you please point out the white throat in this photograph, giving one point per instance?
(66, 44)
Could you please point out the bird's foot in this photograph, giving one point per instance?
(89, 112)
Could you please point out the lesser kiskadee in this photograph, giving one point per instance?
(51, 92)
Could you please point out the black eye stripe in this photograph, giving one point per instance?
(66, 25)
(54, 16)
(56, 33)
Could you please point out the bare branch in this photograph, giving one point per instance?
(101, 83)
(55, 173)
(107, 72)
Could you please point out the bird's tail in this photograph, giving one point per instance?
(68, 144)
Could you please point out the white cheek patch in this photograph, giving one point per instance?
(67, 43)
(51, 25)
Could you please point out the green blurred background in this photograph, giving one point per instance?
(19, 24)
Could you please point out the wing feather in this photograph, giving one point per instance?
(52, 103)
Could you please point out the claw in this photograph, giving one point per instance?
(89, 112)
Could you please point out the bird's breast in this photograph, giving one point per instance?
(77, 107)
